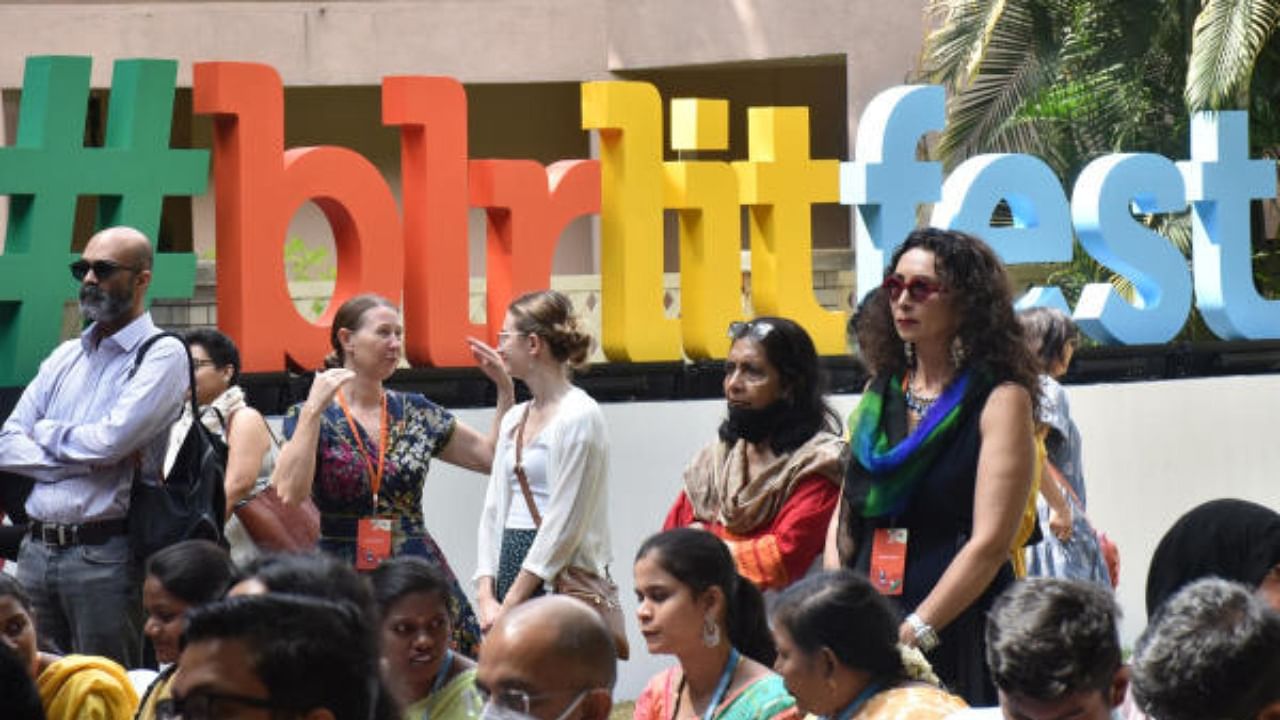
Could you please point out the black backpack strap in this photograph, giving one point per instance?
(146, 345)
(191, 365)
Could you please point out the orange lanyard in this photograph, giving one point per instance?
(375, 476)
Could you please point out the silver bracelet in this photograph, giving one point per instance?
(926, 636)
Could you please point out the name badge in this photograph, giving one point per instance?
(889, 560)
(373, 542)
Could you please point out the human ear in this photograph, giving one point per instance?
(712, 600)
(597, 705)
(1119, 686)
(828, 661)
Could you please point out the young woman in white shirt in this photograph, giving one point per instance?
(559, 440)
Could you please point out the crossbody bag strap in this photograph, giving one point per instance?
(191, 386)
(519, 470)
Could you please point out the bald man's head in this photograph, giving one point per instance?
(554, 648)
(129, 244)
(114, 272)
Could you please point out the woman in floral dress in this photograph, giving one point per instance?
(361, 452)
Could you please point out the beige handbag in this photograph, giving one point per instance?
(599, 593)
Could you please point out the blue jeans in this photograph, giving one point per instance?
(87, 598)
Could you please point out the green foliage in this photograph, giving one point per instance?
(1228, 37)
(1071, 80)
(304, 263)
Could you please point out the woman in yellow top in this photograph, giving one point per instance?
(75, 687)
(425, 677)
(839, 655)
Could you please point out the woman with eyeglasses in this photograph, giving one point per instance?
(546, 509)
(424, 676)
(839, 655)
(692, 603)
(768, 484)
(75, 687)
(251, 448)
(943, 449)
(361, 452)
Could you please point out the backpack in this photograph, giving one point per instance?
(190, 503)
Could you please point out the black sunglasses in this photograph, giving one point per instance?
(102, 269)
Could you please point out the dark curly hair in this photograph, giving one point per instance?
(791, 352)
(978, 290)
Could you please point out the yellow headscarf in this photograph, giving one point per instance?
(86, 687)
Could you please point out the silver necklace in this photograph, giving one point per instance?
(916, 403)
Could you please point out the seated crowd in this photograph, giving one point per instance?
(306, 636)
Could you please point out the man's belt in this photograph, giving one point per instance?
(90, 533)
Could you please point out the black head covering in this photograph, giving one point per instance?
(1231, 539)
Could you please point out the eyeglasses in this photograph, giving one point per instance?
(209, 706)
(518, 700)
(506, 335)
(204, 362)
(757, 329)
(102, 269)
(918, 288)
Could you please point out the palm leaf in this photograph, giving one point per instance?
(1226, 40)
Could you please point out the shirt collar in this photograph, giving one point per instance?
(126, 338)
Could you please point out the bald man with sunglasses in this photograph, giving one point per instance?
(83, 428)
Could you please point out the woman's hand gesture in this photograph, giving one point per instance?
(491, 364)
(325, 386)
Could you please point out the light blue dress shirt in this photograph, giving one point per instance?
(83, 426)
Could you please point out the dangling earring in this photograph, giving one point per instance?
(909, 350)
(957, 352)
(710, 632)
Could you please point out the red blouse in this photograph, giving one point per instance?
(781, 551)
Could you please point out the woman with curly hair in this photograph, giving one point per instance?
(943, 449)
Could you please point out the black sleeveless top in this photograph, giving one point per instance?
(939, 520)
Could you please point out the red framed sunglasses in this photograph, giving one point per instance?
(920, 289)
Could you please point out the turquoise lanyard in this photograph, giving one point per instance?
(867, 693)
(723, 686)
(441, 674)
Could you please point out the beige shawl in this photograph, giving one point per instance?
(724, 490)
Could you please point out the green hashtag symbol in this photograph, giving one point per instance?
(49, 167)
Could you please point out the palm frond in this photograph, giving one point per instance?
(1226, 40)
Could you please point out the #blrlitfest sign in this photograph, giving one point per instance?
(417, 250)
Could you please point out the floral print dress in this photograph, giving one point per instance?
(417, 430)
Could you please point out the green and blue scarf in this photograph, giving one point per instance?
(896, 470)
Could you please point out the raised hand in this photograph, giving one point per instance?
(325, 385)
(491, 364)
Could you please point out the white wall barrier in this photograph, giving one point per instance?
(1151, 451)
